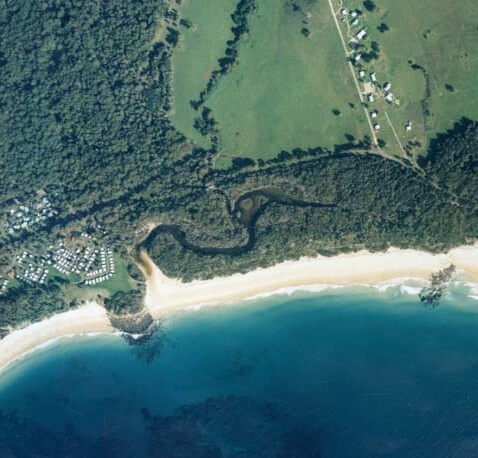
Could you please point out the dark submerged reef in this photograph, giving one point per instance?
(142, 333)
(39, 442)
(229, 427)
(219, 427)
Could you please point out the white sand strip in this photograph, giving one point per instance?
(89, 318)
(165, 295)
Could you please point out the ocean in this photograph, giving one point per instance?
(349, 372)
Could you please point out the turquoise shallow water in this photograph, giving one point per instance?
(346, 373)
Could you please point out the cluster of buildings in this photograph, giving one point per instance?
(372, 88)
(25, 216)
(92, 265)
(68, 262)
(106, 270)
(3, 285)
(351, 18)
(30, 269)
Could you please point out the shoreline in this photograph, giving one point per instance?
(90, 318)
(168, 296)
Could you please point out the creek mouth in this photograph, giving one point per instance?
(246, 210)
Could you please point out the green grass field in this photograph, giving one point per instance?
(285, 86)
(438, 35)
(120, 282)
(283, 92)
(55, 273)
(200, 47)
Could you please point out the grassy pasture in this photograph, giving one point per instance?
(438, 35)
(200, 47)
(282, 92)
(120, 281)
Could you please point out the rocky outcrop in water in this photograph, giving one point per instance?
(431, 295)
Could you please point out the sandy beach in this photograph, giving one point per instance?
(165, 296)
(89, 318)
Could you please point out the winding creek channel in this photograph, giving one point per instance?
(246, 211)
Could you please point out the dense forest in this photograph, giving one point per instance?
(374, 203)
(84, 103)
(28, 303)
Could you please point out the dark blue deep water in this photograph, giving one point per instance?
(360, 374)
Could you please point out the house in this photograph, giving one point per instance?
(374, 114)
(357, 57)
(354, 14)
(355, 22)
(387, 87)
(361, 73)
(408, 126)
(389, 97)
(344, 12)
(361, 34)
(370, 97)
(373, 77)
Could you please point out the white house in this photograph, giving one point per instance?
(373, 77)
(389, 97)
(361, 73)
(376, 126)
(387, 86)
(360, 35)
(370, 97)
(374, 114)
